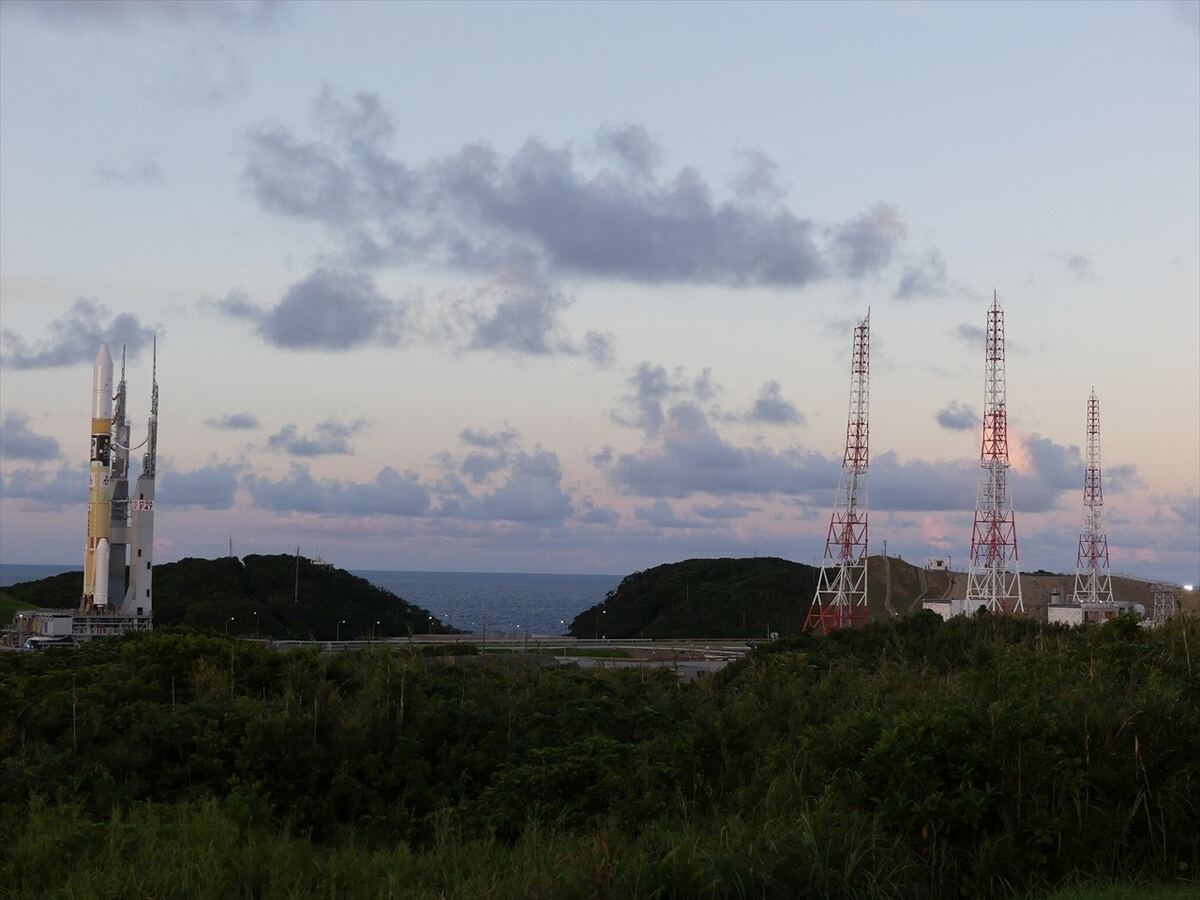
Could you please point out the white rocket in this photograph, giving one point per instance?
(118, 563)
(96, 552)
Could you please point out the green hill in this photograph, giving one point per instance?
(700, 598)
(205, 593)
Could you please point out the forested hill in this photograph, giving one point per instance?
(204, 593)
(742, 598)
(705, 598)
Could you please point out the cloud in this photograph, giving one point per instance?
(519, 313)
(242, 421)
(591, 514)
(121, 15)
(66, 486)
(927, 278)
(330, 437)
(476, 210)
(392, 493)
(726, 509)
(660, 514)
(1080, 266)
(532, 493)
(971, 334)
(480, 466)
(865, 244)
(772, 409)
(326, 310)
(147, 172)
(691, 457)
(75, 337)
(758, 181)
(18, 440)
(489, 440)
(957, 416)
(652, 386)
(632, 147)
(211, 487)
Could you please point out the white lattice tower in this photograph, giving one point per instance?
(1093, 583)
(841, 598)
(1164, 603)
(994, 580)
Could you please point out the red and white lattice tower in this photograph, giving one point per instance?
(1093, 584)
(994, 581)
(841, 599)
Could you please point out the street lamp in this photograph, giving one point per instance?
(431, 624)
(340, 623)
(256, 623)
(227, 621)
(375, 626)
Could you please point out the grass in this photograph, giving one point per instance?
(9, 606)
(1125, 891)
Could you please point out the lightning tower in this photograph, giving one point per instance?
(841, 599)
(994, 581)
(1164, 603)
(1093, 585)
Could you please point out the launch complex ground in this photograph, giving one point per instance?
(117, 590)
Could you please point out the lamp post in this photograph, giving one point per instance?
(256, 623)
(376, 626)
(340, 623)
(227, 621)
(431, 624)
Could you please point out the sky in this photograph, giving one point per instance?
(571, 287)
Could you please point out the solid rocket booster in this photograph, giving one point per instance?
(95, 563)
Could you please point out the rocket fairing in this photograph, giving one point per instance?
(96, 555)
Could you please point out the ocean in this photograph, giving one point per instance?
(510, 603)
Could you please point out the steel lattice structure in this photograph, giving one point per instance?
(1164, 603)
(994, 580)
(841, 598)
(1093, 583)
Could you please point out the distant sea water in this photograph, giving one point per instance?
(15, 574)
(510, 603)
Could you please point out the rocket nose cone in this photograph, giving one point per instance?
(103, 357)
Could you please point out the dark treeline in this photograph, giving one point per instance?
(920, 759)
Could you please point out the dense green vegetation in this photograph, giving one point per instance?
(9, 606)
(699, 598)
(260, 593)
(704, 598)
(920, 759)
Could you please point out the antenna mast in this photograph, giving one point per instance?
(994, 581)
(1093, 584)
(841, 598)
